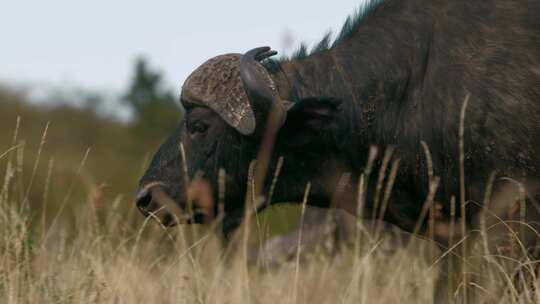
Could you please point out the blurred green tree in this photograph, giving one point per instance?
(156, 110)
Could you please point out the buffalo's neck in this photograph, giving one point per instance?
(362, 88)
(321, 74)
(375, 73)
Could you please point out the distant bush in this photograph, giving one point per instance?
(117, 154)
(155, 109)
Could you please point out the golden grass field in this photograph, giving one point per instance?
(69, 233)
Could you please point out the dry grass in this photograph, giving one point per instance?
(97, 251)
(105, 260)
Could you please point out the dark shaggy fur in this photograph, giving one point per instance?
(397, 75)
(350, 26)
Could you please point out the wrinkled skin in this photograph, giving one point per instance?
(399, 79)
(204, 154)
(222, 147)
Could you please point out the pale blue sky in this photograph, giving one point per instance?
(92, 44)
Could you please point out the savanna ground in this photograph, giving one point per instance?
(69, 233)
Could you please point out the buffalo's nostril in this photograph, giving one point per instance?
(144, 198)
(152, 200)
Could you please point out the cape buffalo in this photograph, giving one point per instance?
(398, 75)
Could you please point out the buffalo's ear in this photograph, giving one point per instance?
(309, 117)
(313, 112)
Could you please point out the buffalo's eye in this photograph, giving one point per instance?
(197, 127)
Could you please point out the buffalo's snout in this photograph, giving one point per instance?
(153, 201)
(143, 201)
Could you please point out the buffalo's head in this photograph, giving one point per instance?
(228, 102)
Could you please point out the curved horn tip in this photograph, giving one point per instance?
(260, 53)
